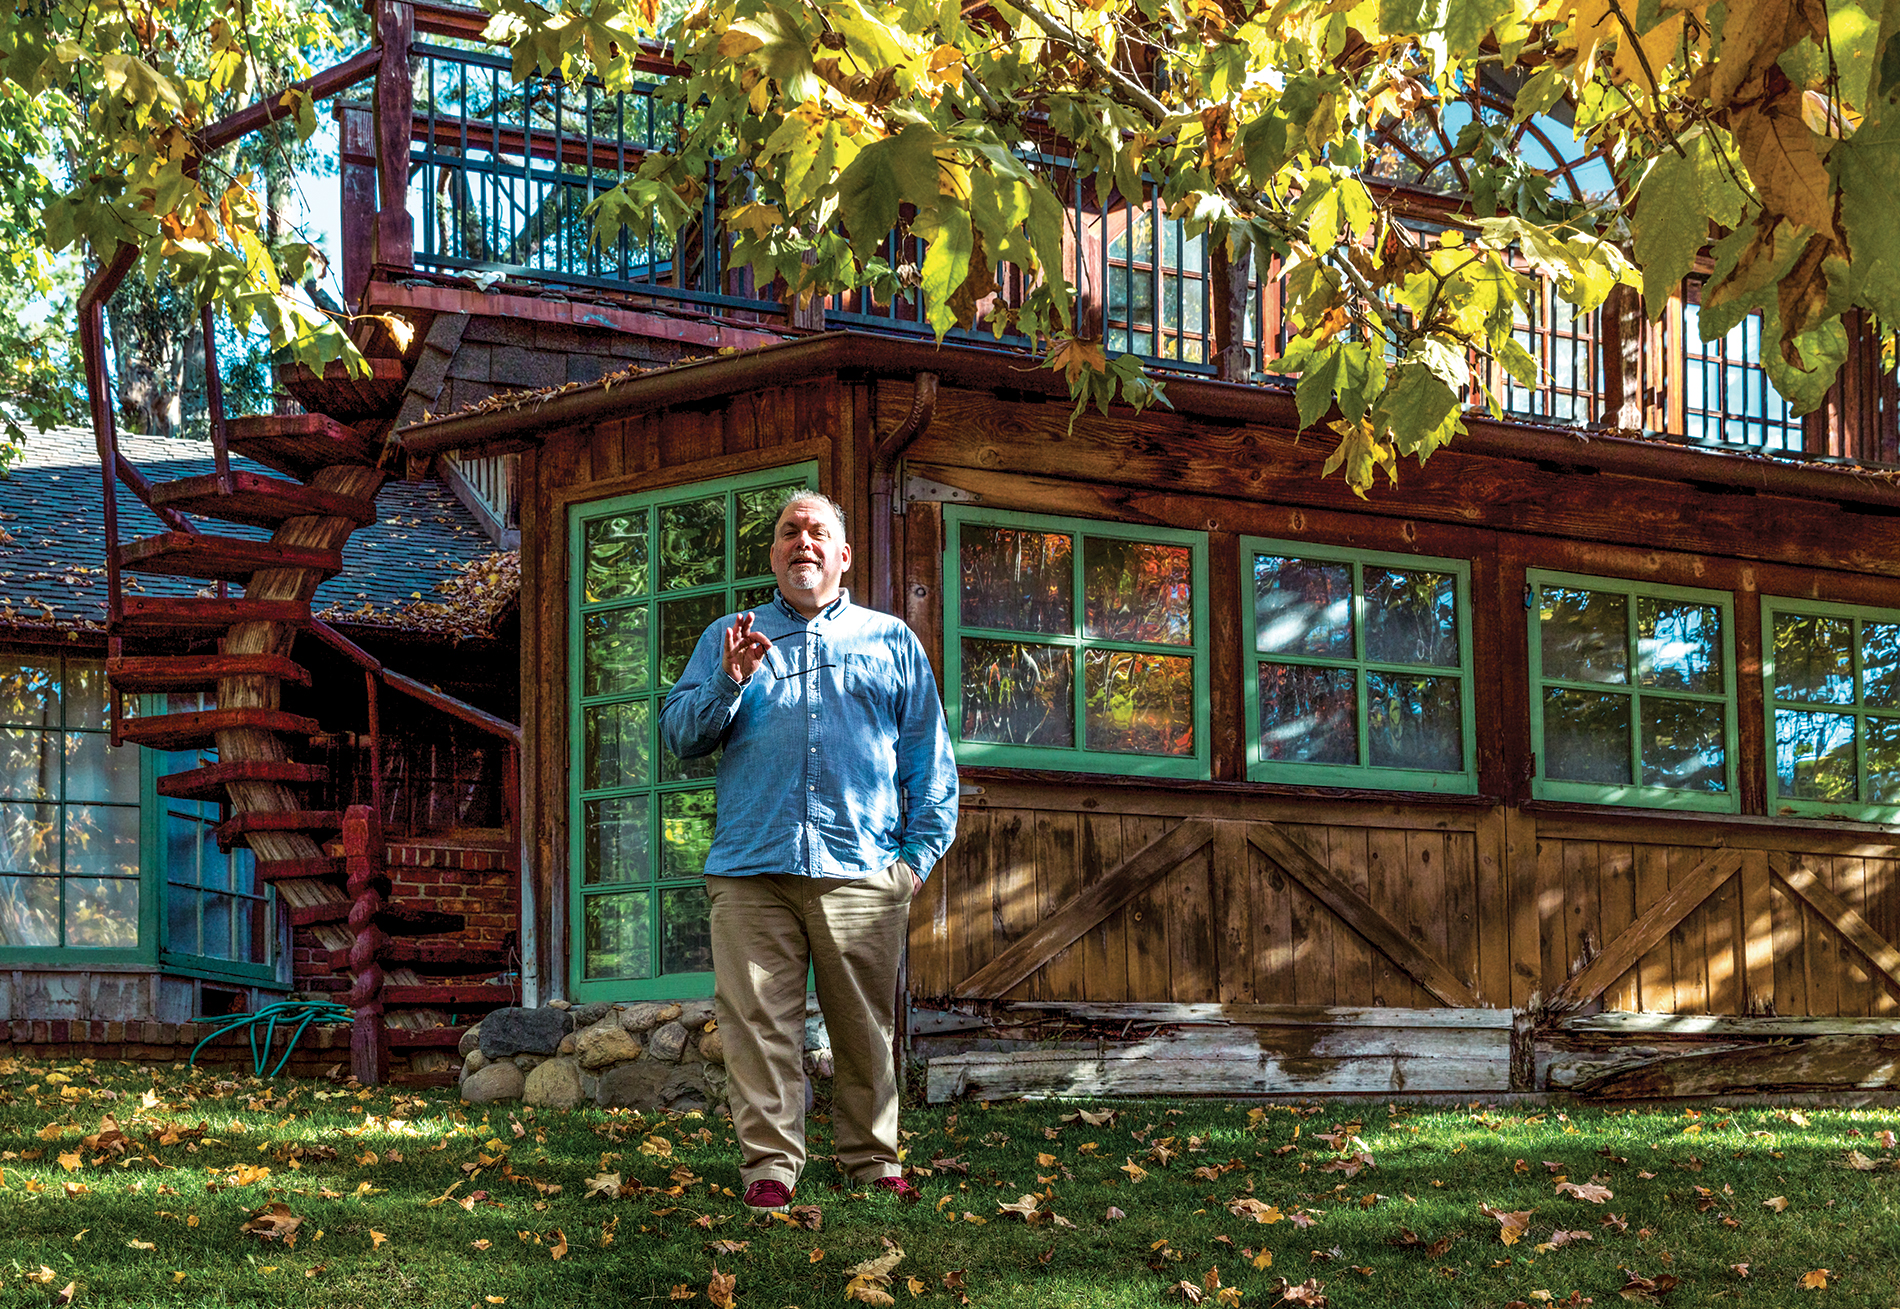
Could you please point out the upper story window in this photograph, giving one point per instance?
(1727, 395)
(1632, 693)
(1076, 645)
(1359, 668)
(1831, 677)
(69, 815)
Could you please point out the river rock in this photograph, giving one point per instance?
(472, 1062)
(646, 1015)
(605, 1044)
(471, 1040)
(586, 1015)
(502, 1081)
(567, 1044)
(509, 1032)
(675, 1088)
(712, 1047)
(556, 1084)
(816, 1037)
(560, 1004)
(695, 1014)
(667, 1043)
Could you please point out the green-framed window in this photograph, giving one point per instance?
(1831, 686)
(219, 922)
(648, 574)
(1358, 668)
(1074, 644)
(69, 819)
(1632, 693)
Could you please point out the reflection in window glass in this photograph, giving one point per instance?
(1660, 736)
(1075, 636)
(1832, 688)
(659, 569)
(69, 811)
(1340, 648)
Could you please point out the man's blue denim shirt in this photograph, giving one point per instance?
(840, 721)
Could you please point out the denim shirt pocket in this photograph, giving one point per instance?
(871, 679)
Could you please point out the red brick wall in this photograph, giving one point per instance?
(318, 1050)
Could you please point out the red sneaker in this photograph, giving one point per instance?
(898, 1187)
(768, 1196)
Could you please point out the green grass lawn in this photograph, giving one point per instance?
(390, 1198)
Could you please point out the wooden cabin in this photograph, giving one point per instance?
(1571, 761)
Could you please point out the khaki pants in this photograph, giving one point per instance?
(767, 930)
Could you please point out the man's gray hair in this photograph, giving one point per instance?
(799, 495)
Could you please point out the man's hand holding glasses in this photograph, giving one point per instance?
(745, 649)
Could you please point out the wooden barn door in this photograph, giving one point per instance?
(1037, 905)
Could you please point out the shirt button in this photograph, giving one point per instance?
(814, 715)
(814, 749)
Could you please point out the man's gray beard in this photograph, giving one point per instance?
(804, 576)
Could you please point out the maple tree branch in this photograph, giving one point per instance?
(1057, 30)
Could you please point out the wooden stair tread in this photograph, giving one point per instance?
(208, 783)
(234, 829)
(343, 396)
(201, 727)
(463, 995)
(258, 500)
(165, 614)
(221, 558)
(441, 958)
(288, 870)
(396, 920)
(445, 1077)
(299, 444)
(198, 672)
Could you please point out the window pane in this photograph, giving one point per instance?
(617, 935)
(615, 847)
(616, 745)
(29, 692)
(753, 598)
(616, 551)
(693, 543)
(1585, 636)
(614, 652)
(675, 769)
(681, 624)
(251, 928)
(1679, 646)
(686, 832)
(1880, 664)
(181, 921)
(1883, 760)
(1683, 745)
(102, 840)
(85, 693)
(685, 930)
(1016, 580)
(1414, 722)
(758, 516)
(1586, 736)
(29, 838)
(1814, 755)
(29, 911)
(182, 845)
(96, 771)
(1309, 715)
(1302, 606)
(1814, 659)
(1018, 693)
(1411, 617)
(29, 764)
(1138, 703)
(217, 921)
(102, 912)
(1134, 591)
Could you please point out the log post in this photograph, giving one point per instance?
(1623, 333)
(363, 861)
(395, 120)
(356, 170)
(1227, 304)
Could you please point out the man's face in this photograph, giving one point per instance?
(809, 553)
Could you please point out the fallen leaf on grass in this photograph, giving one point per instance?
(683, 1292)
(917, 1286)
(274, 1220)
(1648, 1290)
(65, 1293)
(1740, 1270)
(1304, 1293)
(1258, 1210)
(1778, 1203)
(1560, 1238)
(559, 1248)
(1188, 1291)
(1855, 1160)
(605, 1185)
(1816, 1280)
(1594, 1192)
(70, 1162)
(141, 1245)
(1134, 1170)
(1025, 1207)
(868, 1279)
(1512, 1224)
(808, 1216)
(1113, 1215)
(727, 1247)
(719, 1289)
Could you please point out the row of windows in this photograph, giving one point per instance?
(1083, 646)
(93, 859)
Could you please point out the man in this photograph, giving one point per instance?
(837, 793)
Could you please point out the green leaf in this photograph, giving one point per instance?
(885, 173)
(1314, 394)
(1670, 226)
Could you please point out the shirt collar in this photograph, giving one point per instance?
(825, 615)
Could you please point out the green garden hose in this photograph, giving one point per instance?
(301, 1012)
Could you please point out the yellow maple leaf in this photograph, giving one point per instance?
(1134, 1170)
(1073, 357)
(70, 1161)
(945, 65)
(559, 1248)
(1816, 1280)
